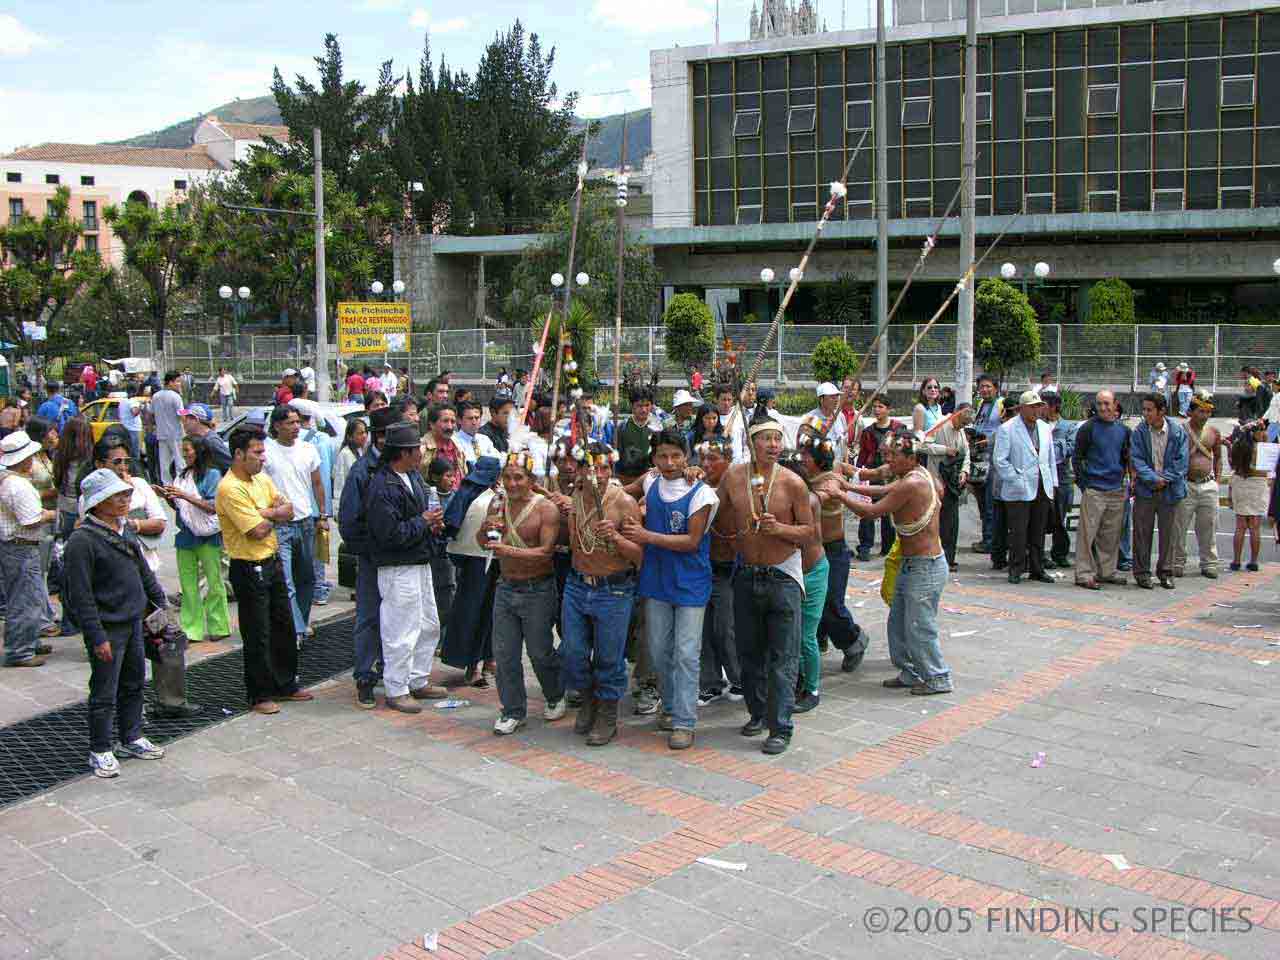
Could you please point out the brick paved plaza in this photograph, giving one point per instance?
(330, 832)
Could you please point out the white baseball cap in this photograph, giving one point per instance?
(828, 390)
(681, 398)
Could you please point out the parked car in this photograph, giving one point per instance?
(335, 417)
(106, 412)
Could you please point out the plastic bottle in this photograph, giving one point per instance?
(452, 704)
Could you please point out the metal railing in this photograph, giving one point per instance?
(1078, 355)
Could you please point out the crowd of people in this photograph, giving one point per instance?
(708, 546)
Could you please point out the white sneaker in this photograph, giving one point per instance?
(507, 725)
(141, 749)
(554, 711)
(104, 764)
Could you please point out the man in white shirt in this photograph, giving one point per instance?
(825, 419)
(225, 388)
(471, 443)
(294, 467)
(390, 382)
(21, 517)
(165, 407)
(308, 376)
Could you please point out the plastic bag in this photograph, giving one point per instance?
(892, 563)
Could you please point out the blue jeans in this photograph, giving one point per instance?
(986, 509)
(837, 623)
(675, 644)
(25, 598)
(768, 622)
(1126, 535)
(368, 639)
(522, 614)
(115, 687)
(228, 410)
(593, 647)
(297, 553)
(913, 623)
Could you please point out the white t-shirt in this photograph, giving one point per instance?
(308, 376)
(390, 384)
(290, 469)
(226, 385)
(669, 491)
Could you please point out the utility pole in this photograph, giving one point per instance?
(968, 240)
(882, 199)
(322, 320)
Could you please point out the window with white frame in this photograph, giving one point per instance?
(984, 107)
(1168, 96)
(1238, 91)
(1104, 99)
(857, 115)
(1038, 104)
(748, 213)
(800, 119)
(1166, 199)
(746, 123)
(917, 111)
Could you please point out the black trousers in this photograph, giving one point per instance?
(999, 533)
(115, 688)
(1028, 520)
(266, 628)
(949, 526)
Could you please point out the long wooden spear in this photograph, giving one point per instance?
(562, 337)
(964, 280)
(621, 202)
(839, 189)
(568, 279)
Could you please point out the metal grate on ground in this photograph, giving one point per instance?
(53, 748)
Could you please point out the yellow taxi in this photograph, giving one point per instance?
(106, 412)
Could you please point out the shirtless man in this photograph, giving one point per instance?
(598, 596)
(719, 662)
(814, 454)
(836, 623)
(524, 602)
(772, 519)
(913, 499)
(1204, 470)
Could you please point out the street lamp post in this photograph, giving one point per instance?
(1040, 271)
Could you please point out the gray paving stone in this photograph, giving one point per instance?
(396, 907)
(211, 933)
(421, 782)
(189, 855)
(629, 946)
(823, 820)
(690, 882)
(39, 822)
(133, 822)
(466, 885)
(221, 817)
(753, 905)
(524, 950)
(664, 919)
(145, 894)
(42, 901)
(1207, 837)
(324, 933)
(17, 945)
(766, 868)
(380, 848)
(914, 845)
(255, 894)
(102, 936)
(576, 935)
(17, 862)
(738, 943)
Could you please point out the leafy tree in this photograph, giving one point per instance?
(162, 245)
(833, 360)
(519, 149)
(274, 255)
(596, 253)
(424, 140)
(846, 301)
(691, 330)
(581, 328)
(1005, 327)
(1111, 302)
(44, 269)
(353, 124)
(97, 322)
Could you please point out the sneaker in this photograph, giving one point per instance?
(141, 749)
(1234, 567)
(403, 703)
(709, 696)
(504, 726)
(43, 649)
(364, 696)
(104, 765)
(752, 728)
(806, 703)
(775, 745)
(554, 711)
(681, 739)
(647, 700)
(665, 723)
(852, 659)
(32, 661)
(320, 601)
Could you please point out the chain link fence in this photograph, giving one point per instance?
(1077, 355)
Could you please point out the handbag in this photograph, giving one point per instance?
(199, 522)
(892, 564)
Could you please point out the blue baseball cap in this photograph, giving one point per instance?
(198, 410)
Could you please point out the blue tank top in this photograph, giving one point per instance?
(681, 579)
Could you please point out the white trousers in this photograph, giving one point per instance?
(170, 459)
(410, 627)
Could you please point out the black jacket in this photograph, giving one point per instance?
(398, 534)
(352, 522)
(108, 581)
(498, 436)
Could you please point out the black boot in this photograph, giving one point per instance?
(586, 717)
(606, 725)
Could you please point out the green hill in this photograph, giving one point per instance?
(602, 150)
(253, 110)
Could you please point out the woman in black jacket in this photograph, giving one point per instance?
(109, 586)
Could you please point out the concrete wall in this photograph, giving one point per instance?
(672, 132)
(441, 290)
(1204, 260)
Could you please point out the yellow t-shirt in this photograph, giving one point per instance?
(238, 503)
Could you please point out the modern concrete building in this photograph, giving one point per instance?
(1132, 140)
